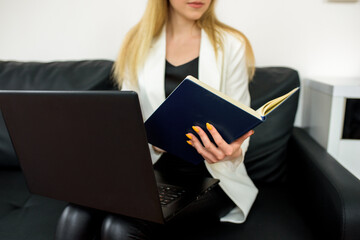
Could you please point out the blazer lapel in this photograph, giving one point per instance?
(153, 75)
(209, 65)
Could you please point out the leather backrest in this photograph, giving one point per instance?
(67, 75)
(265, 159)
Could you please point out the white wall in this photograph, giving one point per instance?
(48, 30)
(316, 37)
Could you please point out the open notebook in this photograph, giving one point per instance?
(193, 103)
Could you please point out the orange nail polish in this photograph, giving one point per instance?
(195, 129)
(208, 126)
(188, 136)
(189, 142)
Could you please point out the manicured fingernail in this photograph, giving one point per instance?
(195, 129)
(189, 142)
(188, 136)
(208, 126)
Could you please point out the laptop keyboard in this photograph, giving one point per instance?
(169, 193)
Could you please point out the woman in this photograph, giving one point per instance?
(173, 39)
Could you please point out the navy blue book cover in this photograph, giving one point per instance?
(193, 105)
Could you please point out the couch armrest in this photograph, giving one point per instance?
(328, 194)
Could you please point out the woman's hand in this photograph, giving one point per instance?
(212, 153)
(158, 150)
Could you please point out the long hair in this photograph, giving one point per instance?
(137, 42)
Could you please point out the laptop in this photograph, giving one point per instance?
(90, 148)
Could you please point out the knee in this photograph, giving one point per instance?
(77, 222)
(115, 227)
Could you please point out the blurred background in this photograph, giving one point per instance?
(319, 38)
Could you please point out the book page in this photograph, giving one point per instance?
(272, 104)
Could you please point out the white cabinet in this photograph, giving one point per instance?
(324, 112)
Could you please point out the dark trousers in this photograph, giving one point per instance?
(79, 223)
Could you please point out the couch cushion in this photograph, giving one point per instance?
(68, 75)
(23, 215)
(265, 159)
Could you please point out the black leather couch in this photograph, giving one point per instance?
(303, 192)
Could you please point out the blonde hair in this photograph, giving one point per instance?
(137, 42)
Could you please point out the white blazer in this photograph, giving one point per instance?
(227, 73)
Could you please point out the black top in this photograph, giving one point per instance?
(175, 74)
(169, 163)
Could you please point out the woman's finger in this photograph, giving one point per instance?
(220, 142)
(195, 142)
(208, 145)
(241, 139)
